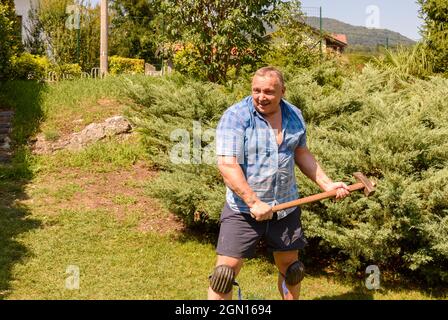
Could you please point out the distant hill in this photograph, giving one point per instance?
(358, 36)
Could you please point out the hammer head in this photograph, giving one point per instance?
(369, 186)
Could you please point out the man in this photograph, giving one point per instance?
(258, 141)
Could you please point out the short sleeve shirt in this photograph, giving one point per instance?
(242, 132)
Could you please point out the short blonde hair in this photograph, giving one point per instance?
(269, 71)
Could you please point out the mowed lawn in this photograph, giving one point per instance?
(81, 225)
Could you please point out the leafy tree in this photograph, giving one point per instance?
(291, 44)
(435, 31)
(9, 35)
(34, 43)
(60, 33)
(133, 32)
(226, 33)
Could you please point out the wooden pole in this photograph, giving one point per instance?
(104, 67)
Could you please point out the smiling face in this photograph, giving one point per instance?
(267, 92)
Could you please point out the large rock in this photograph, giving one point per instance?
(94, 132)
(98, 131)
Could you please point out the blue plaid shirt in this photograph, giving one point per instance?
(269, 168)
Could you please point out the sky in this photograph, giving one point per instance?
(396, 15)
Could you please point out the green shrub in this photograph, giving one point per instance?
(329, 74)
(30, 67)
(119, 65)
(187, 61)
(407, 62)
(9, 40)
(358, 60)
(393, 131)
(68, 71)
(434, 14)
(194, 192)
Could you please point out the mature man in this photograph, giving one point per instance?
(258, 142)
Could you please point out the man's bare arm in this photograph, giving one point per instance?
(234, 178)
(308, 164)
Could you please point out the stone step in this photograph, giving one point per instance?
(5, 125)
(5, 119)
(6, 114)
(5, 130)
(2, 138)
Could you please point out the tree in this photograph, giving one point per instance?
(292, 43)
(64, 37)
(34, 43)
(9, 36)
(224, 33)
(435, 31)
(133, 32)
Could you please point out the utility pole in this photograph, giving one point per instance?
(104, 43)
(321, 33)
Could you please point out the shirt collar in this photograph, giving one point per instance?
(283, 106)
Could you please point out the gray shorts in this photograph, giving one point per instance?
(240, 233)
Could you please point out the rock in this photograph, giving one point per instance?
(117, 125)
(94, 132)
(7, 114)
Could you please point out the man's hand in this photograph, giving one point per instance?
(341, 189)
(261, 211)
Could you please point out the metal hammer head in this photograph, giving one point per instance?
(369, 186)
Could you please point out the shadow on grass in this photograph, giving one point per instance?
(358, 293)
(199, 234)
(24, 98)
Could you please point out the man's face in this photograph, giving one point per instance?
(267, 93)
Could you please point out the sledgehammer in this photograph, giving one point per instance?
(363, 183)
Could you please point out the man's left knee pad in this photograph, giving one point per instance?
(295, 273)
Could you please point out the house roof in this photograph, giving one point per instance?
(337, 39)
(340, 37)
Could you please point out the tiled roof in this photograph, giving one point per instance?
(340, 37)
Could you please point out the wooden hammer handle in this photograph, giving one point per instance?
(316, 197)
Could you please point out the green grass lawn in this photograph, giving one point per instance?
(88, 211)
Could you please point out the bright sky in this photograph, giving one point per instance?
(396, 15)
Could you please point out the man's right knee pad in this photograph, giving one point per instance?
(295, 273)
(222, 279)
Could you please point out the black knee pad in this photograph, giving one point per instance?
(295, 273)
(222, 279)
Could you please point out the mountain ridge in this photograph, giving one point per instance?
(359, 36)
